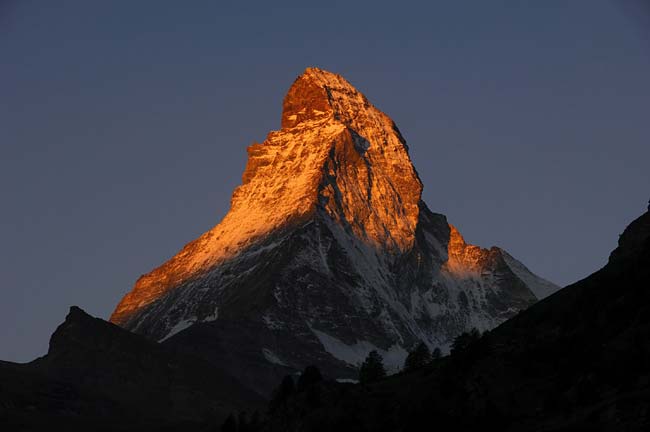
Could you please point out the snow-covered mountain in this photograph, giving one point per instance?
(328, 251)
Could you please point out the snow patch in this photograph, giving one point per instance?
(355, 354)
(180, 326)
(212, 317)
(271, 323)
(271, 357)
(347, 380)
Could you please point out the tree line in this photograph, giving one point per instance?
(371, 370)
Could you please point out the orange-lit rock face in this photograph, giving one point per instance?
(464, 260)
(336, 156)
(368, 181)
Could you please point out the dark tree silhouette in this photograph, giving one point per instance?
(418, 358)
(372, 369)
(230, 425)
(464, 341)
(282, 393)
(308, 384)
(436, 353)
(310, 376)
(256, 422)
(242, 420)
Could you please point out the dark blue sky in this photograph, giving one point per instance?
(124, 126)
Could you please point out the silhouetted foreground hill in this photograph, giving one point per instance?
(578, 360)
(97, 376)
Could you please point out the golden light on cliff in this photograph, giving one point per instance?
(463, 260)
(336, 159)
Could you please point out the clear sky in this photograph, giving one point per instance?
(124, 124)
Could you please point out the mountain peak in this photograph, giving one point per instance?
(75, 311)
(337, 158)
(327, 239)
(318, 95)
(308, 97)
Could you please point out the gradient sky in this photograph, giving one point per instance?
(124, 126)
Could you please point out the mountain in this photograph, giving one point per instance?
(97, 376)
(327, 252)
(577, 361)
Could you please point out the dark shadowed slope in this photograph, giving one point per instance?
(578, 360)
(99, 376)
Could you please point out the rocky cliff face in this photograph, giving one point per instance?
(329, 251)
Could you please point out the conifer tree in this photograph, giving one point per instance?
(464, 340)
(255, 423)
(230, 425)
(418, 358)
(372, 369)
(243, 422)
(310, 376)
(282, 393)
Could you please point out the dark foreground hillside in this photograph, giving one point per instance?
(97, 376)
(578, 360)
